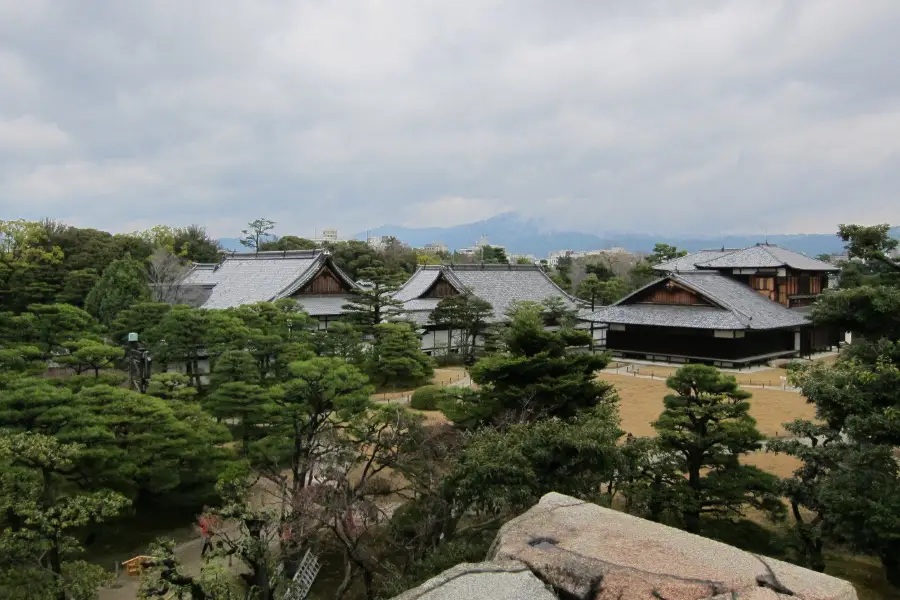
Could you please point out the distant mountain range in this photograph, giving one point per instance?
(524, 236)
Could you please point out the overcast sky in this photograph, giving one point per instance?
(681, 117)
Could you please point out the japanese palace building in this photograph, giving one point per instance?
(308, 276)
(500, 285)
(725, 307)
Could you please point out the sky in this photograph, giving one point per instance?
(588, 115)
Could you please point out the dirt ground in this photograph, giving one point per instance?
(442, 376)
(777, 464)
(767, 377)
(642, 401)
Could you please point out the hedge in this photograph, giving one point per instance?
(426, 397)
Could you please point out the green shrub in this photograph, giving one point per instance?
(426, 397)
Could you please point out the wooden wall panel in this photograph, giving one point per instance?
(325, 282)
(670, 295)
(765, 286)
(815, 285)
(440, 289)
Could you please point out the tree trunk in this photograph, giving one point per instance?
(691, 513)
(812, 543)
(369, 581)
(890, 561)
(56, 566)
(348, 578)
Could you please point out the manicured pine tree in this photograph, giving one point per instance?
(707, 425)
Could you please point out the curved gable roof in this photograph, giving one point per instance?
(689, 261)
(501, 285)
(735, 306)
(766, 256)
(247, 278)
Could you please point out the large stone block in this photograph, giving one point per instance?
(471, 581)
(587, 552)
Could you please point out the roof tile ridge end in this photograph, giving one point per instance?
(781, 261)
(728, 252)
(454, 280)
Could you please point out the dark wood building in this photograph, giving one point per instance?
(723, 307)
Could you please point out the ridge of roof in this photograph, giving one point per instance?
(276, 254)
(689, 262)
(481, 267)
(717, 300)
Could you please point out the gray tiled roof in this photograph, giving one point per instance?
(418, 284)
(419, 317)
(501, 285)
(200, 274)
(754, 309)
(246, 278)
(318, 306)
(737, 306)
(660, 315)
(195, 294)
(763, 256)
(689, 261)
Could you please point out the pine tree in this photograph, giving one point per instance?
(122, 284)
(396, 357)
(467, 316)
(40, 510)
(535, 378)
(707, 425)
(90, 355)
(374, 303)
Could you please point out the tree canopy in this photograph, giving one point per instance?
(466, 318)
(123, 283)
(707, 425)
(535, 378)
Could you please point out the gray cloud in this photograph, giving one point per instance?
(680, 117)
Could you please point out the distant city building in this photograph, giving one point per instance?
(379, 242)
(328, 236)
(553, 257)
(517, 257)
(436, 247)
(476, 249)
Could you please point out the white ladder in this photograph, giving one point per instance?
(304, 577)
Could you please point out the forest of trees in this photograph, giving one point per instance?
(283, 445)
